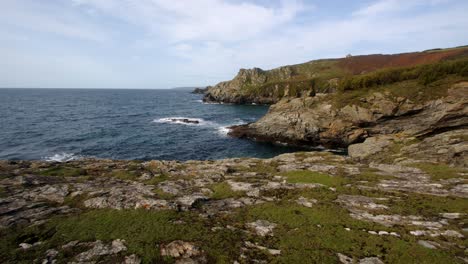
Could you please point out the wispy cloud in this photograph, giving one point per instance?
(42, 18)
(199, 20)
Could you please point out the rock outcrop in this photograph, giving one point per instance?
(378, 120)
(237, 91)
(200, 90)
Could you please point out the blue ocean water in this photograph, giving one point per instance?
(62, 124)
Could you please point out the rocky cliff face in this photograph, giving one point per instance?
(239, 89)
(316, 121)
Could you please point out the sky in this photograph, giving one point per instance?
(178, 43)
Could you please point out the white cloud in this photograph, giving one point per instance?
(164, 43)
(199, 20)
(391, 6)
(48, 19)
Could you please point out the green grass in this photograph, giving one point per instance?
(123, 174)
(223, 190)
(441, 171)
(63, 171)
(313, 177)
(142, 230)
(157, 179)
(302, 241)
(163, 195)
(426, 205)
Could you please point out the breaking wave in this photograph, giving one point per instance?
(62, 157)
(184, 121)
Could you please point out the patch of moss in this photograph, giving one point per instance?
(315, 235)
(76, 201)
(264, 168)
(426, 205)
(63, 171)
(163, 195)
(306, 176)
(123, 174)
(142, 230)
(441, 171)
(223, 190)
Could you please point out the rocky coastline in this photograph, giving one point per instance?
(399, 196)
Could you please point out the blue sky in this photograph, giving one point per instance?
(173, 43)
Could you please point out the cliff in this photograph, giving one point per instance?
(319, 76)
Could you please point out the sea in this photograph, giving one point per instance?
(124, 124)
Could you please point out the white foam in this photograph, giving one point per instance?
(62, 157)
(220, 129)
(178, 120)
(224, 130)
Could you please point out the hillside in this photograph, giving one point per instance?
(319, 76)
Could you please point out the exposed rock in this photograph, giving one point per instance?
(185, 120)
(372, 260)
(435, 233)
(184, 252)
(201, 90)
(25, 246)
(132, 259)
(452, 215)
(270, 251)
(190, 201)
(315, 121)
(369, 147)
(230, 91)
(345, 259)
(355, 201)
(428, 244)
(101, 249)
(262, 227)
(306, 202)
(240, 186)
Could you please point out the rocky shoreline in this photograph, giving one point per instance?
(400, 196)
(263, 202)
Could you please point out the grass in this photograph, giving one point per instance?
(441, 171)
(426, 205)
(123, 174)
(63, 171)
(265, 168)
(163, 195)
(411, 89)
(223, 190)
(301, 240)
(142, 230)
(306, 176)
(157, 179)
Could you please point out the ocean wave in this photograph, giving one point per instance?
(189, 121)
(223, 130)
(62, 157)
(220, 129)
